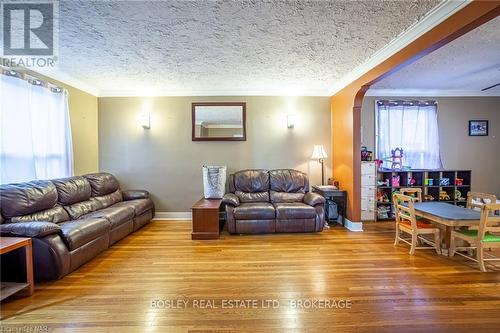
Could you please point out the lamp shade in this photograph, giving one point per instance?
(319, 152)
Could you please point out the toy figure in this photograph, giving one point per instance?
(364, 154)
(428, 197)
(397, 159)
(443, 196)
(380, 196)
(395, 181)
(459, 181)
(369, 155)
(458, 195)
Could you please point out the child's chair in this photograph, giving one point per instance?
(476, 200)
(414, 192)
(406, 222)
(486, 237)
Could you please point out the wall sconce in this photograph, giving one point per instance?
(145, 120)
(290, 121)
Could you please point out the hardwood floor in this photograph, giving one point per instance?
(388, 290)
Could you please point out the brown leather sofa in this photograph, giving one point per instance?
(70, 220)
(261, 201)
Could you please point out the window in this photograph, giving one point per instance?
(35, 132)
(412, 126)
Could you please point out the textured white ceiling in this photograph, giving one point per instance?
(226, 47)
(469, 63)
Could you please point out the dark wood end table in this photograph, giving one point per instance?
(206, 219)
(339, 197)
(8, 244)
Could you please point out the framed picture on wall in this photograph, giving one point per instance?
(478, 127)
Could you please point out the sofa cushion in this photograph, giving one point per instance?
(296, 210)
(102, 183)
(313, 199)
(110, 199)
(288, 180)
(135, 194)
(79, 232)
(26, 198)
(254, 211)
(79, 209)
(286, 197)
(29, 229)
(140, 205)
(251, 181)
(252, 197)
(230, 199)
(73, 189)
(115, 215)
(55, 215)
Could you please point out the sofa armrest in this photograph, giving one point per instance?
(231, 199)
(135, 194)
(313, 199)
(29, 229)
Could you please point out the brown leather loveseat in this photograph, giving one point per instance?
(70, 220)
(261, 201)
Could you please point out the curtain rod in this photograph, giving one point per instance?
(31, 79)
(406, 102)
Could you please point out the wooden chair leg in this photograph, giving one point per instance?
(437, 244)
(414, 237)
(453, 246)
(480, 257)
(396, 241)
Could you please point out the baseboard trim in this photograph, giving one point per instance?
(353, 226)
(171, 216)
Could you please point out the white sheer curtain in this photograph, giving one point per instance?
(412, 126)
(35, 132)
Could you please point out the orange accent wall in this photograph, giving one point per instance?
(346, 104)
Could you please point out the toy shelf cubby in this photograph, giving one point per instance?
(459, 183)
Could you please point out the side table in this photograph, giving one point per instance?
(206, 219)
(339, 197)
(8, 244)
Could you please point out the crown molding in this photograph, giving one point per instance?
(437, 15)
(210, 92)
(430, 93)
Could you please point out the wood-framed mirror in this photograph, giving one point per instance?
(219, 121)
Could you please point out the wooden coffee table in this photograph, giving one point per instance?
(8, 244)
(206, 219)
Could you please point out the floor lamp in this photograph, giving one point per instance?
(320, 154)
